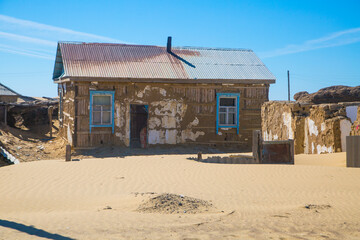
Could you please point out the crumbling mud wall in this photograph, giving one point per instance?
(177, 113)
(315, 128)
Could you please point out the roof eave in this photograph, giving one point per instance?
(164, 80)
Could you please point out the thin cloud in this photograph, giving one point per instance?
(333, 40)
(23, 38)
(27, 38)
(43, 27)
(14, 50)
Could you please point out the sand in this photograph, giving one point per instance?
(99, 198)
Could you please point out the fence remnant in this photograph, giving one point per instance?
(50, 111)
(353, 151)
(199, 156)
(68, 153)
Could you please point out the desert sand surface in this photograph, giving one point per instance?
(104, 198)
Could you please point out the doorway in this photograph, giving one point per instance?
(138, 125)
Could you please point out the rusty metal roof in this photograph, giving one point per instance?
(103, 60)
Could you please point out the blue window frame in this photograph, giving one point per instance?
(102, 109)
(227, 111)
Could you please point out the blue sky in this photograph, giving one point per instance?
(317, 41)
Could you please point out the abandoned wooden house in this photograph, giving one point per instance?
(134, 95)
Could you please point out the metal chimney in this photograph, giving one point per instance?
(168, 48)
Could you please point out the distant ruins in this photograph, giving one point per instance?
(316, 128)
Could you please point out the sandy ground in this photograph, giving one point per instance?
(316, 198)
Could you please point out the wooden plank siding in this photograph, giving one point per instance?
(200, 101)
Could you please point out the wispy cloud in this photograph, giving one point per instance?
(340, 38)
(20, 36)
(20, 51)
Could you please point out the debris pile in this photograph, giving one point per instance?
(168, 203)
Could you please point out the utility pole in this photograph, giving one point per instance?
(288, 85)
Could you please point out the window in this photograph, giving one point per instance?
(101, 109)
(227, 111)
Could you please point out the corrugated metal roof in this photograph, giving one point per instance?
(153, 62)
(5, 91)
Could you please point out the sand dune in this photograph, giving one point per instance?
(99, 198)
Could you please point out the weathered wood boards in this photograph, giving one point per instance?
(353, 151)
(178, 113)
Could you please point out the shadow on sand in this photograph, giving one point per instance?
(115, 151)
(32, 230)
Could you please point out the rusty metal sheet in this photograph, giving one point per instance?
(276, 152)
(154, 62)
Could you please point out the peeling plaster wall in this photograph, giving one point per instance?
(320, 128)
(177, 113)
(345, 128)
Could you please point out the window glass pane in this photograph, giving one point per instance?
(97, 108)
(106, 108)
(222, 110)
(106, 118)
(96, 117)
(101, 100)
(231, 118)
(227, 101)
(222, 118)
(232, 110)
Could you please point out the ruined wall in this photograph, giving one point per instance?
(178, 113)
(67, 115)
(317, 129)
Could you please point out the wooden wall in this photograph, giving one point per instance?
(194, 104)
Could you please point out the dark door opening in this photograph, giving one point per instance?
(138, 125)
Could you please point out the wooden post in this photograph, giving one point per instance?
(291, 146)
(257, 146)
(199, 156)
(68, 153)
(50, 111)
(5, 115)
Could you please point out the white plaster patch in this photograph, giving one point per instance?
(351, 112)
(267, 136)
(162, 92)
(69, 135)
(140, 94)
(154, 122)
(287, 123)
(323, 127)
(156, 137)
(323, 149)
(306, 139)
(312, 147)
(193, 123)
(119, 135)
(345, 128)
(188, 134)
(117, 114)
(313, 130)
(166, 108)
(170, 136)
(168, 122)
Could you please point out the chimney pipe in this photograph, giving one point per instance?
(168, 48)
